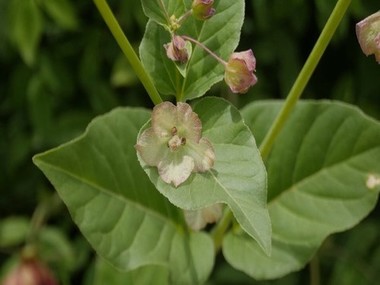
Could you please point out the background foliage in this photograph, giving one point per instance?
(60, 67)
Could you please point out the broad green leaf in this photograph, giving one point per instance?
(238, 177)
(62, 12)
(107, 274)
(160, 11)
(323, 178)
(116, 207)
(26, 27)
(220, 34)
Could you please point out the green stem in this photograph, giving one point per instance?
(221, 227)
(294, 94)
(315, 276)
(304, 76)
(41, 213)
(127, 49)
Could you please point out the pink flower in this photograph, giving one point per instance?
(177, 49)
(368, 34)
(202, 9)
(174, 144)
(239, 71)
(30, 272)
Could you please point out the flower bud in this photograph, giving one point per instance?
(198, 219)
(177, 49)
(30, 272)
(239, 71)
(368, 34)
(202, 9)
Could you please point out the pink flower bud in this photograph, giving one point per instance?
(239, 71)
(177, 49)
(30, 272)
(202, 9)
(368, 34)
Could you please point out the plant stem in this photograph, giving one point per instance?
(314, 271)
(221, 61)
(221, 227)
(294, 94)
(127, 49)
(304, 76)
(41, 214)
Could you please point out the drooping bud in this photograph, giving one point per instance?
(202, 9)
(177, 49)
(198, 219)
(239, 71)
(30, 272)
(368, 34)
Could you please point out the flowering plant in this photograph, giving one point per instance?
(168, 189)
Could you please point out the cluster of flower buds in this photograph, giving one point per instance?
(239, 69)
(368, 33)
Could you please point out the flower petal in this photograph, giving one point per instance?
(164, 118)
(175, 168)
(248, 58)
(189, 124)
(368, 34)
(151, 147)
(203, 154)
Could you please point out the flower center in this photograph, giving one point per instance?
(175, 142)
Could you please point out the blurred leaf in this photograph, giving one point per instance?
(136, 226)
(26, 26)
(13, 231)
(147, 275)
(122, 73)
(40, 109)
(319, 175)
(220, 33)
(355, 262)
(161, 10)
(55, 248)
(63, 13)
(238, 177)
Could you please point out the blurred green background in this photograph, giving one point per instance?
(60, 67)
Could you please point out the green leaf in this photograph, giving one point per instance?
(116, 207)
(238, 177)
(62, 12)
(13, 231)
(319, 182)
(221, 34)
(26, 28)
(147, 275)
(54, 247)
(161, 10)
